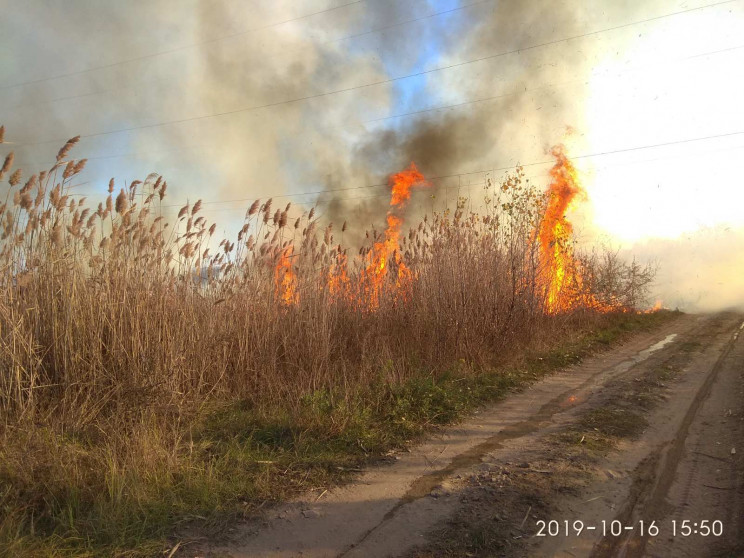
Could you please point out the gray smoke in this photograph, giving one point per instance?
(503, 130)
(700, 272)
(346, 143)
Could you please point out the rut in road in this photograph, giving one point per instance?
(667, 457)
(681, 468)
(388, 510)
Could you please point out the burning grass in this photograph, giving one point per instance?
(152, 375)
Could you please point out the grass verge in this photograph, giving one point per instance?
(63, 494)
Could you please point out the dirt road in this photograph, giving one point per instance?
(650, 432)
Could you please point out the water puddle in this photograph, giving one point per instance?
(644, 354)
(736, 335)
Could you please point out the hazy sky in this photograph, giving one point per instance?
(236, 99)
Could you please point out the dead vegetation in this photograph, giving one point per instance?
(152, 375)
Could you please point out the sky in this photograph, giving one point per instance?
(233, 100)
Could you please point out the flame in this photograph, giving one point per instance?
(555, 233)
(658, 305)
(402, 183)
(561, 271)
(339, 283)
(384, 261)
(382, 267)
(285, 279)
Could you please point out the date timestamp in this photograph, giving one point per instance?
(615, 528)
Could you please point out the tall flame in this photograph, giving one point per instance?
(382, 267)
(384, 259)
(555, 233)
(561, 271)
(285, 279)
(339, 284)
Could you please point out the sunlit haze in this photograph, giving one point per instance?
(663, 89)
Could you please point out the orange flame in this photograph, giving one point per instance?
(285, 279)
(339, 284)
(384, 260)
(555, 234)
(658, 305)
(383, 266)
(561, 271)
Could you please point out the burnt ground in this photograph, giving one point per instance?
(650, 431)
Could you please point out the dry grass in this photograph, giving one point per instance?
(120, 333)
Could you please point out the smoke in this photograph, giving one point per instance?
(322, 142)
(506, 126)
(699, 272)
(489, 113)
(246, 151)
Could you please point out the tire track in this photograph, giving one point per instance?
(571, 399)
(382, 512)
(654, 507)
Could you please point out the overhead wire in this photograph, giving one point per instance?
(442, 107)
(389, 80)
(483, 171)
(687, 140)
(177, 49)
(331, 41)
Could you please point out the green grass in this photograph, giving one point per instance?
(235, 457)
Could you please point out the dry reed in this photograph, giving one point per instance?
(111, 319)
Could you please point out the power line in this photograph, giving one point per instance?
(490, 170)
(457, 186)
(481, 171)
(392, 80)
(178, 49)
(480, 183)
(441, 107)
(544, 86)
(340, 39)
(667, 157)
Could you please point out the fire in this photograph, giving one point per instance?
(382, 271)
(382, 268)
(658, 305)
(339, 283)
(561, 271)
(285, 280)
(555, 233)
(402, 183)
(384, 261)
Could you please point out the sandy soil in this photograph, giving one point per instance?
(683, 467)
(504, 464)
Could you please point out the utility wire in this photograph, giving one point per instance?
(489, 170)
(440, 107)
(446, 188)
(437, 108)
(392, 80)
(550, 85)
(483, 171)
(468, 186)
(178, 49)
(340, 39)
